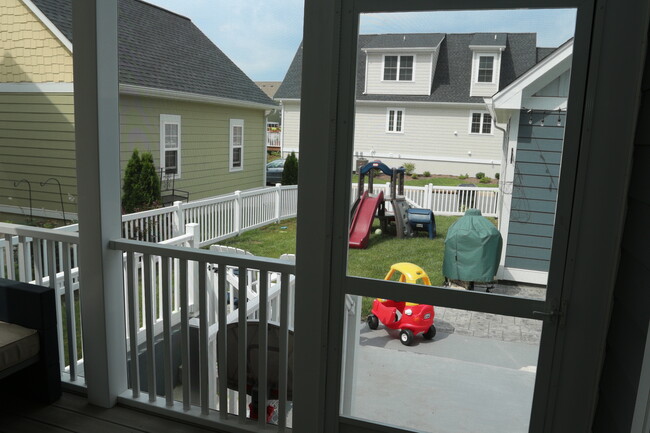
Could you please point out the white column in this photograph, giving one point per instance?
(98, 173)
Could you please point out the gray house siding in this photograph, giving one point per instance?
(534, 191)
(631, 310)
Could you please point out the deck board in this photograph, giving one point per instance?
(72, 413)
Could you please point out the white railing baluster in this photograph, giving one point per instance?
(9, 256)
(22, 259)
(283, 355)
(185, 334)
(149, 319)
(70, 311)
(221, 342)
(263, 345)
(167, 330)
(51, 272)
(134, 322)
(38, 261)
(243, 343)
(204, 366)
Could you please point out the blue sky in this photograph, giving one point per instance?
(262, 37)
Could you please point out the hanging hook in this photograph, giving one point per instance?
(29, 187)
(60, 195)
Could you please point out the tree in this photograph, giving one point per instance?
(141, 189)
(290, 171)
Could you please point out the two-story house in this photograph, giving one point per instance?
(181, 98)
(419, 98)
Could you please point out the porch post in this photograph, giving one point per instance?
(98, 170)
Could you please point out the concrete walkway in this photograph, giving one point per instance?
(476, 376)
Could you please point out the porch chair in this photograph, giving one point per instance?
(168, 192)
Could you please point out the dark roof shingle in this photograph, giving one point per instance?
(451, 82)
(160, 49)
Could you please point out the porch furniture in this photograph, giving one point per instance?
(168, 192)
(29, 352)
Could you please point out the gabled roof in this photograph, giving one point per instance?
(163, 50)
(451, 81)
(489, 40)
(413, 40)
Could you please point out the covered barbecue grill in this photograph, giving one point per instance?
(472, 249)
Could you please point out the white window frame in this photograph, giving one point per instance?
(170, 119)
(482, 113)
(388, 119)
(399, 63)
(478, 65)
(231, 146)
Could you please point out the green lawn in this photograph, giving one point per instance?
(437, 181)
(372, 262)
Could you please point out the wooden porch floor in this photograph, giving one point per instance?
(72, 413)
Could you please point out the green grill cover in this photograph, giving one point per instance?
(472, 249)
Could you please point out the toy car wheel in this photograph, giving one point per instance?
(373, 322)
(431, 332)
(406, 337)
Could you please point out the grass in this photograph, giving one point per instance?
(437, 181)
(373, 262)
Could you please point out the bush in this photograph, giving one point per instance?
(485, 179)
(141, 189)
(497, 176)
(414, 176)
(480, 175)
(290, 172)
(427, 174)
(463, 176)
(409, 167)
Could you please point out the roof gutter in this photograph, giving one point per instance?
(130, 89)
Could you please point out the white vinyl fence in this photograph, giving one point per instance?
(446, 200)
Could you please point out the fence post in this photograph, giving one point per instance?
(278, 199)
(238, 212)
(429, 196)
(192, 229)
(178, 219)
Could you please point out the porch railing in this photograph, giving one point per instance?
(49, 257)
(210, 327)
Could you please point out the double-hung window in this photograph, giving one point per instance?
(481, 123)
(398, 68)
(395, 120)
(236, 144)
(170, 144)
(485, 72)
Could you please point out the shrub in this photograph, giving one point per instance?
(497, 176)
(290, 172)
(463, 176)
(414, 176)
(485, 179)
(480, 175)
(141, 189)
(427, 174)
(409, 167)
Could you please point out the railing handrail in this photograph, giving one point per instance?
(185, 253)
(40, 233)
(146, 213)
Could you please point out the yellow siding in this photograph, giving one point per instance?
(30, 52)
(36, 143)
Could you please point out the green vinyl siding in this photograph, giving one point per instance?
(534, 191)
(36, 143)
(205, 143)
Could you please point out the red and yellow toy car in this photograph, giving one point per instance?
(411, 319)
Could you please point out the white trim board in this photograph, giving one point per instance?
(49, 24)
(522, 275)
(130, 89)
(36, 87)
(40, 212)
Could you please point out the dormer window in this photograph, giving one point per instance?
(398, 68)
(485, 69)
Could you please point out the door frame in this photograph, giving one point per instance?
(584, 255)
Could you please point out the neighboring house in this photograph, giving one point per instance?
(420, 98)
(532, 109)
(181, 98)
(274, 120)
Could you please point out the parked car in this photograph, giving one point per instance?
(274, 171)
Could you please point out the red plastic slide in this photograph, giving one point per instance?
(362, 221)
